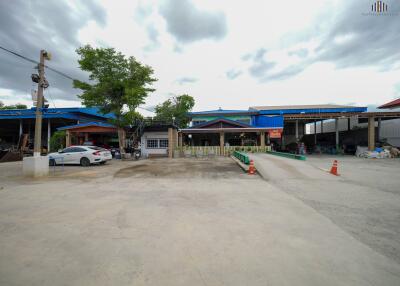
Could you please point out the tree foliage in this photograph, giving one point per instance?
(57, 140)
(175, 109)
(13, 106)
(118, 85)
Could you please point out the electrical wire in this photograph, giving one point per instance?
(36, 62)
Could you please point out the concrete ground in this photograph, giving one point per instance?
(364, 200)
(176, 222)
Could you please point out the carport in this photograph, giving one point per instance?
(370, 117)
(98, 132)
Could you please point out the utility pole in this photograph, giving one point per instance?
(39, 105)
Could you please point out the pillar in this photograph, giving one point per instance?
(170, 142)
(20, 128)
(48, 135)
(86, 136)
(315, 132)
(379, 130)
(348, 124)
(371, 133)
(67, 138)
(221, 142)
(268, 139)
(297, 130)
(180, 139)
(262, 139)
(176, 138)
(337, 133)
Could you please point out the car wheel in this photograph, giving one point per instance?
(103, 163)
(85, 162)
(52, 162)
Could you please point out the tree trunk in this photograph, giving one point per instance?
(121, 140)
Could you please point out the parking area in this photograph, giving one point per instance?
(185, 222)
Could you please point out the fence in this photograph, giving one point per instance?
(209, 151)
(243, 157)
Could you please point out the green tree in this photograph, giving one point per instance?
(175, 109)
(13, 106)
(119, 84)
(57, 140)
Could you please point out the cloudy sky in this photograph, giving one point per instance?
(229, 54)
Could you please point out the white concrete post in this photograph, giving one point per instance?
(20, 128)
(315, 132)
(379, 129)
(48, 135)
(337, 133)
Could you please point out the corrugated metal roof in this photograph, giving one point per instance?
(67, 112)
(309, 106)
(218, 111)
(392, 104)
(94, 123)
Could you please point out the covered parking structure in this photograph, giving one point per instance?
(100, 133)
(16, 123)
(371, 117)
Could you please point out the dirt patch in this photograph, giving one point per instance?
(182, 168)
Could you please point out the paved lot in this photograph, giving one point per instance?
(173, 222)
(364, 201)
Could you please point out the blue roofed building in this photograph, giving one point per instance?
(16, 122)
(259, 125)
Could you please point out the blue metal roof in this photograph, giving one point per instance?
(227, 120)
(220, 111)
(66, 113)
(94, 123)
(312, 110)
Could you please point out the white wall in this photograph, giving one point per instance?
(153, 135)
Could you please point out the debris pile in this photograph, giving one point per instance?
(378, 153)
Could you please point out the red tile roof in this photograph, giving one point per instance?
(392, 104)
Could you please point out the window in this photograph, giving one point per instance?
(68, 150)
(156, 143)
(197, 122)
(152, 143)
(163, 143)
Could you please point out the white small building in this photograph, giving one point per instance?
(154, 141)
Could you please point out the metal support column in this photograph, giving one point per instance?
(297, 130)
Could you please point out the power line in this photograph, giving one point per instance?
(36, 62)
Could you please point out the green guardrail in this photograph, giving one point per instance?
(243, 157)
(287, 155)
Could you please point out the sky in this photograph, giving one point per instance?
(228, 54)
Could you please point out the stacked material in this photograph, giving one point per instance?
(378, 153)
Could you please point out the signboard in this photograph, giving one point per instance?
(275, 133)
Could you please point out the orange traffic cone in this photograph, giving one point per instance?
(252, 169)
(334, 170)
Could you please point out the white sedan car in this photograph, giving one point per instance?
(83, 155)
